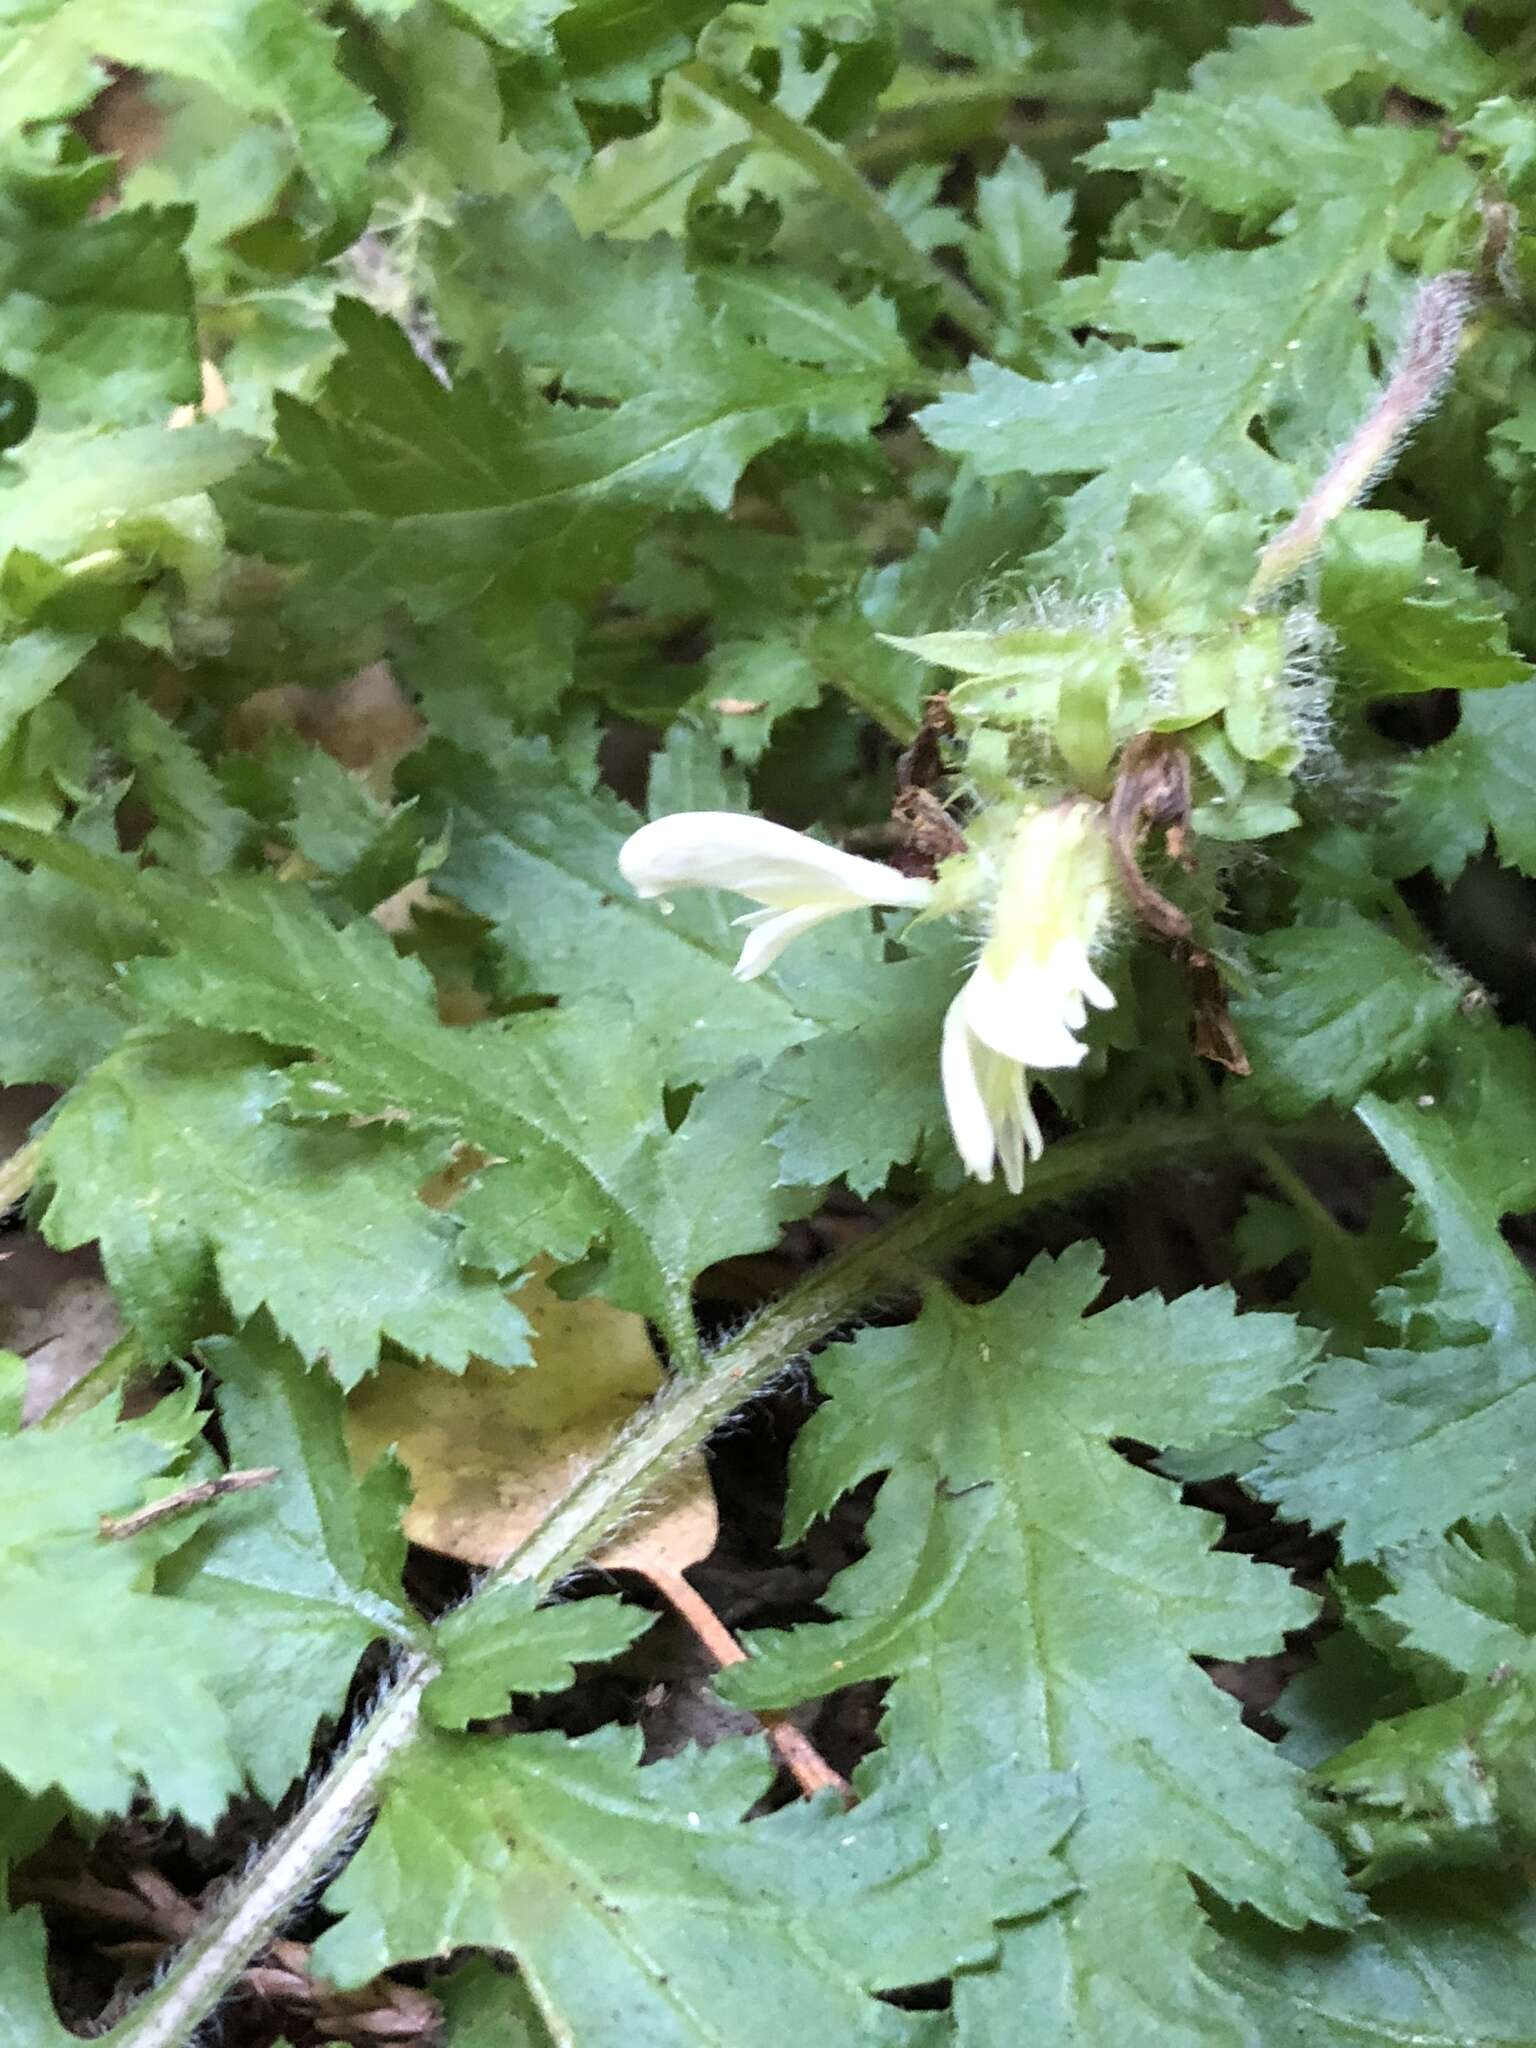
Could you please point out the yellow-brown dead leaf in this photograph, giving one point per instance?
(491, 1451)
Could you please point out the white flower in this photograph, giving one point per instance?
(1030, 989)
(799, 881)
(1050, 879)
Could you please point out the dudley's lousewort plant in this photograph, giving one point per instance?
(767, 830)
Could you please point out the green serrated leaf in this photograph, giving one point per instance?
(174, 1153)
(1406, 614)
(1335, 1700)
(1450, 1785)
(1405, 1444)
(1504, 131)
(1011, 1546)
(1021, 239)
(270, 58)
(834, 55)
(641, 185)
(1068, 680)
(390, 476)
(195, 827)
(1186, 553)
(1346, 1268)
(625, 1891)
(505, 1642)
(1125, 417)
(538, 278)
(1447, 800)
(578, 1153)
(1447, 1961)
(1386, 42)
(1242, 156)
(662, 406)
(1443, 1776)
(111, 1687)
(1337, 1005)
(533, 93)
(304, 1572)
(864, 1095)
(70, 494)
(31, 668)
(1470, 1601)
(227, 174)
(333, 821)
(726, 1137)
(805, 321)
(1468, 1153)
(755, 683)
(59, 946)
(614, 49)
(539, 857)
(98, 312)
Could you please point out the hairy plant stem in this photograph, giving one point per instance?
(836, 175)
(891, 1261)
(252, 1909)
(969, 109)
(1424, 366)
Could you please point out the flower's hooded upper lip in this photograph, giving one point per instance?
(769, 863)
